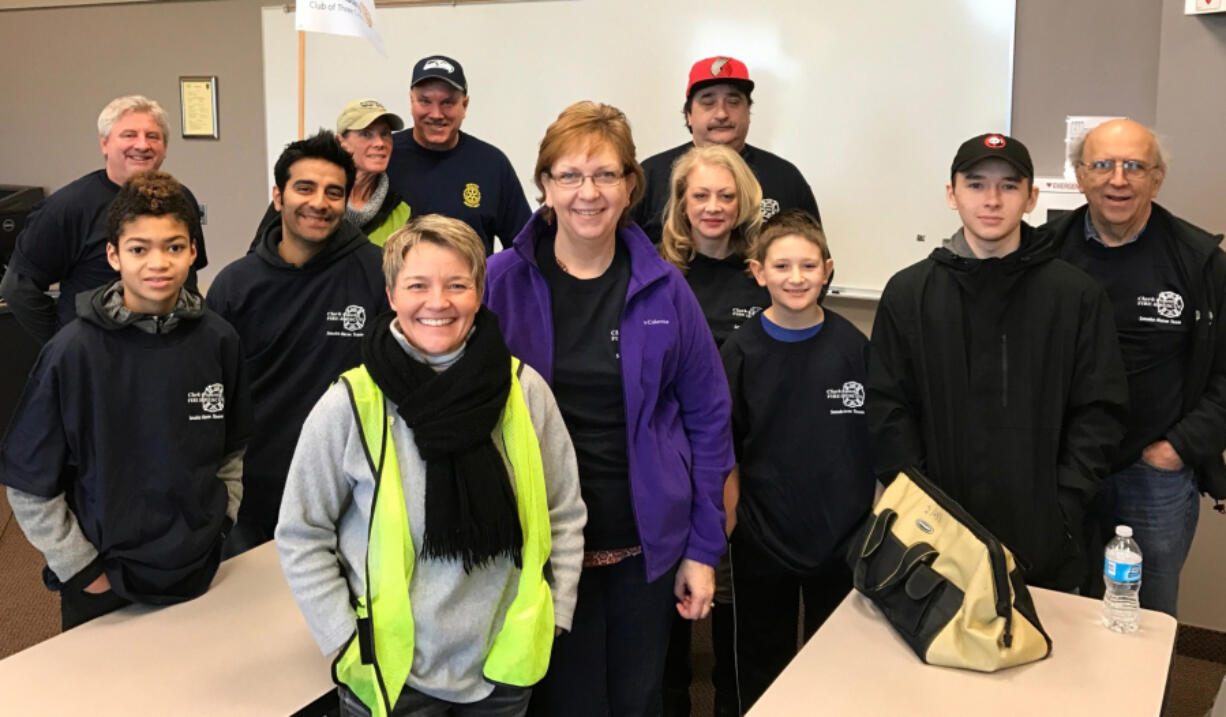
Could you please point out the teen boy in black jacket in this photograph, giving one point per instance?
(124, 457)
(995, 370)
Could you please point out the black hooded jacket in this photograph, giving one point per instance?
(131, 417)
(301, 327)
(1001, 380)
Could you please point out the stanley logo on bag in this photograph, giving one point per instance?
(949, 588)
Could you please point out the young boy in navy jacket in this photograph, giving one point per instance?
(804, 480)
(123, 460)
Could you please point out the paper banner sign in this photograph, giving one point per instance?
(355, 18)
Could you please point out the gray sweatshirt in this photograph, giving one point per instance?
(322, 530)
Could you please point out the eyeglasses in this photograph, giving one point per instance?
(1133, 168)
(573, 180)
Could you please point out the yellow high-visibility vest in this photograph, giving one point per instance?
(398, 218)
(377, 660)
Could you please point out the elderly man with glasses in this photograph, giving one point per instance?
(1166, 280)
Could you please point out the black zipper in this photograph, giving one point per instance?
(1004, 370)
(996, 551)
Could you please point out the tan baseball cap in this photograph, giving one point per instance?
(359, 114)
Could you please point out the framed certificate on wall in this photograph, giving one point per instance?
(198, 106)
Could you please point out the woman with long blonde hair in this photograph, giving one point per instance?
(712, 216)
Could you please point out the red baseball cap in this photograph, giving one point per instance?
(717, 69)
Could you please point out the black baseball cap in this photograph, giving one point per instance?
(993, 145)
(441, 68)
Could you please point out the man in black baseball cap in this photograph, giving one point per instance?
(989, 146)
(439, 169)
(996, 190)
(995, 370)
(441, 68)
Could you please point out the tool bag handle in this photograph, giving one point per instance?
(912, 557)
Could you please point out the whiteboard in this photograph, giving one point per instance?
(869, 99)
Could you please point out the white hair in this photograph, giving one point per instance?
(121, 106)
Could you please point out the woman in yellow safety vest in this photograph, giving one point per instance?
(431, 528)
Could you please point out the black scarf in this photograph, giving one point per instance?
(471, 512)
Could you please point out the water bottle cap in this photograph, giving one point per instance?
(1123, 531)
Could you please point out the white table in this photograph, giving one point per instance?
(242, 648)
(857, 665)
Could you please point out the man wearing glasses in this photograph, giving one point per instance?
(1166, 280)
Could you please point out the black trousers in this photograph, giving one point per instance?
(678, 672)
(611, 663)
(504, 701)
(766, 607)
(677, 669)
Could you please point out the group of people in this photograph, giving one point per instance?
(503, 483)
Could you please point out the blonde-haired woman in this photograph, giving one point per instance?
(712, 217)
(431, 527)
(583, 297)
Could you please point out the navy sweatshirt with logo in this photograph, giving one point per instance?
(301, 327)
(132, 427)
(473, 182)
(801, 439)
(1154, 315)
(729, 296)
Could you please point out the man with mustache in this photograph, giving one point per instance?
(718, 96)
(1167, 283)
(64, 239)
(717, 101)
(301, 301)
(440, 170)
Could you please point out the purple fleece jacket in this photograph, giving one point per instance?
(678, 410)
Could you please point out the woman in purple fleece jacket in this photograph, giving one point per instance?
(583, 297)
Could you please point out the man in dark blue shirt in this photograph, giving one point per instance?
(1166, 280)
(64, 240)
(438, 169)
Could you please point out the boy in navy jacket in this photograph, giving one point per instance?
(124, 458)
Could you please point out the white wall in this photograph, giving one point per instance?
(869, 100)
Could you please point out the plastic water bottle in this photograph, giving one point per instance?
(1122, 575)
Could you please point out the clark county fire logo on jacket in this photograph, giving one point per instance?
(212, 401)
(1167, 304)
(850, 395)
(352, 320)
